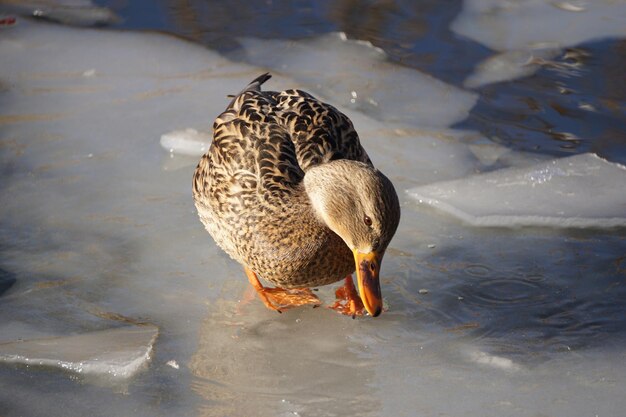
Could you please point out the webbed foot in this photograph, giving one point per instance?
(348, 301)
(279, 299)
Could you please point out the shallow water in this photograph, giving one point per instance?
(98, 230)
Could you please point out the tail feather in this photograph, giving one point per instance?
(257, 82)
(255, 85)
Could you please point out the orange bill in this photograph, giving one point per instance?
(367, 276)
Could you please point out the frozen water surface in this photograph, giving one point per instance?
(74, 12)
(113, 353)
(356, 74)
(100, 236)
(578, 191)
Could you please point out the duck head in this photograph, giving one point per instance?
(360, 204)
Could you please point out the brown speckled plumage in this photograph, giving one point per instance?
(251, 195)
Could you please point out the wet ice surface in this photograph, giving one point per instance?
(578, 191)
(98, 227)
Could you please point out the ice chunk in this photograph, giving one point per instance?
(114, 353)
(578, 191)
(528, 24)
(498, 362)
(70, 12)
(508, 65)
(357, 75)
(186, 142)
(413, 156)
(494, 156)
(529, 33)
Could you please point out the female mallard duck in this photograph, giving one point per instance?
(288, 192)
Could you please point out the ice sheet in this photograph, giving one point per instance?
(97, 222)
(115, 353)
(187, 142)
(528, 33)
(92, 223)
(531, 24)
(579, 191)
(357, 75)
(509, 65)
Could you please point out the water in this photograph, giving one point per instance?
(576, 91)
(99, 233)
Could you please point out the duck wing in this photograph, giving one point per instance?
(319, 132)
(265, 141)
(251, 161)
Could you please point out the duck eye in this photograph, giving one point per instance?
(367, 221)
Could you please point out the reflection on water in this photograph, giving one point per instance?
(476, 270)
(251, 361)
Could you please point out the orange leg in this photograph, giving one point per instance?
(278, 299)
(348, 300)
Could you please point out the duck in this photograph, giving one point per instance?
(287, 190)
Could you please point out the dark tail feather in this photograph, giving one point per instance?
(257, 82)
(255, 85)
